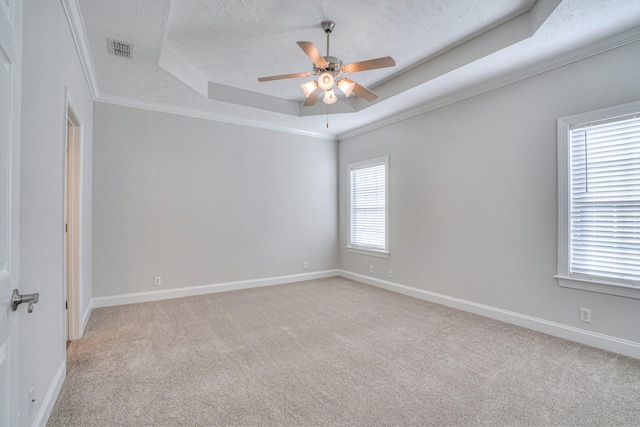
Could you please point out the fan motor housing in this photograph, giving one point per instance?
(334, 65)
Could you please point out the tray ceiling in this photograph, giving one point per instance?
(203, 58)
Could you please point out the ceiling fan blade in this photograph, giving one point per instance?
(362, 91)
(371, 64)
(312, 98)
(284, 76)
(313, 53)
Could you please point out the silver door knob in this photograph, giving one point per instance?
(17, 299)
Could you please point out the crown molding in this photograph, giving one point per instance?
(74, 18)
(593, 49)
(79, 35)
(199, 114)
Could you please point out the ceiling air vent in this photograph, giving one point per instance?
(119, 48)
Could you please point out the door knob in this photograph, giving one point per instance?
(17, 299)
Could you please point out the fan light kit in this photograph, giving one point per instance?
(327, 68)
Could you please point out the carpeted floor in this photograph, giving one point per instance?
(332, 352)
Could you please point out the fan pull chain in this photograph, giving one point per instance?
(327, 117)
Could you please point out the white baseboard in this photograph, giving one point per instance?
(582, 336)
(137, 297)
(593, 339)
(42, 416)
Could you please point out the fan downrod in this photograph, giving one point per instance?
(328, 27)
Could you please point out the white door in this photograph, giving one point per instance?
(10, 71)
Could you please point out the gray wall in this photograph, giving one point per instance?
(473, 209)
(200, 202)
(50, 63)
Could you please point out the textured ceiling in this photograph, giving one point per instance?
(203, 57)
(234, 42)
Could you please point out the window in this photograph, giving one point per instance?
(369, 207)
(599, 201)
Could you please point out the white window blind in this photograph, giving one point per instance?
(368, 205)
(604, 220)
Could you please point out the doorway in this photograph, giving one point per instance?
(73, 223)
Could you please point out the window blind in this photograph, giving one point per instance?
(605, 200)
(368, 207)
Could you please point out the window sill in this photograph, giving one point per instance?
(603, 287)
(379, 254)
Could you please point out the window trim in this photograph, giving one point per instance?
(564, 278)
(357, 249)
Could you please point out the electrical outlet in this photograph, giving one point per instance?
(585, 315)
(390, 273)
(157, 281)
(305, 265)
(32, 400)
(371, 269)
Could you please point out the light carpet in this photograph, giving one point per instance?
(332, 352)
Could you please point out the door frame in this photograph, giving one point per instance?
(72, 218)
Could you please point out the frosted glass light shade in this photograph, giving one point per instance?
(309, 87)
(329, 97)
(326, 81)
(346, 86)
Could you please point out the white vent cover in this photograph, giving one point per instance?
(119, 48)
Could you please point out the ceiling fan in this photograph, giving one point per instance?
(327, 68)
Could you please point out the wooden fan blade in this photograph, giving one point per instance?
(312, 98)
(371, 64)
(362, 91)
(284, 76)
(314, 54)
